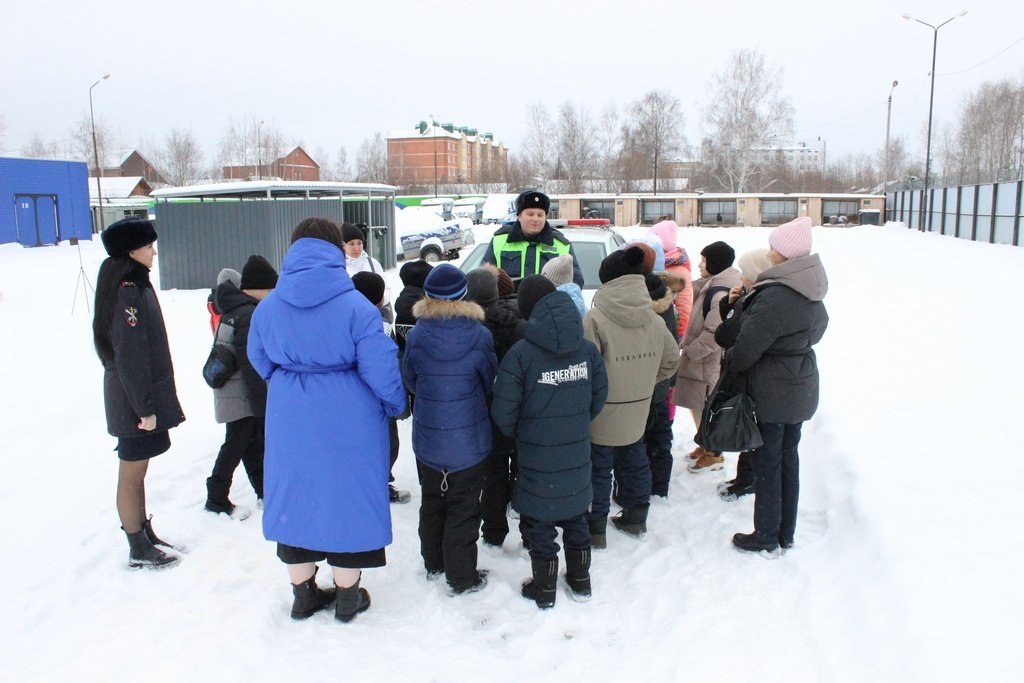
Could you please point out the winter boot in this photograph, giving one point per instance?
(217, 499)
(598, 534)
(734, 490)
(309, 599)
(400, 496)
(632, 521)
(348, 602)
(142, 553)
(708, 462)
(477, 584)
(751, 543)
(155, 540)
(541, 588)
(577, 574)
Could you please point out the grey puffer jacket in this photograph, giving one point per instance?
(638, 352)
(780, 325)
(245, 393)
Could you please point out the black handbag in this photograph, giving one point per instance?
(221, 364)
(729, 420)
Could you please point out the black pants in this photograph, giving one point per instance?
(745, 469)
(243, 443)
(450, 521)
(498, 486)
(777, 483)
(393, 442)
(658, 443)
(540, 537)
(632, 480)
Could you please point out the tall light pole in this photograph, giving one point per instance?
(433, 133)
(888, 120)
(259, 151)
(96, 153)
(931, 103)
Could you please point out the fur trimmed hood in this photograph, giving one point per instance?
(444, 309)
(675, 282)
(661, 305)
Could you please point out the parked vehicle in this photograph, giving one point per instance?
(591, 239)
(498, 208)
(441, 205)
(469, 207)
(422, 233)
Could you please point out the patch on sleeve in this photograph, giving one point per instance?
(131, 316)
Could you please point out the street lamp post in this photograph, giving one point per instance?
(96, 153)
(931, 103)
(888, 120)
(259, 151)
(433, 133)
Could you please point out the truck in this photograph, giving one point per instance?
(424, 234)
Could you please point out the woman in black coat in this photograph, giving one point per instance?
(138, 380)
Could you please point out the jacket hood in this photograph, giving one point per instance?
(675, 282)
(625, 300)
(447, 326)
(313, 272)
(804, 275)
(661, 305)
(227, 297)
(555, 324)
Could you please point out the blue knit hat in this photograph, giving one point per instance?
(445, 282)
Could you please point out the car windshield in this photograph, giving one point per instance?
(590, 255)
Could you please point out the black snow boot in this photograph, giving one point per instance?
(752, 543)
(142, 552)
(348, 602)
(217, 496)
(577, 574)
(632, 521)
(541, 588)
(155, 540)
(309, 598)
(598, 533)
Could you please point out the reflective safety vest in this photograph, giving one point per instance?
(508, 255)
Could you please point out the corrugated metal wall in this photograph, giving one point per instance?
(198, 239)
(66, 180)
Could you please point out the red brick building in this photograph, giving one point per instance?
(135, 165)
(445, 153)
(296, 165)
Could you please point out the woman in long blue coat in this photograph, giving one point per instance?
(333, 381)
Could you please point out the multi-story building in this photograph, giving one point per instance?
(800, 156)
(445, 153)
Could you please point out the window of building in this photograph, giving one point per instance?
(839, 207)
(777, 211)
(653, 210)
(718, 212)
(590, 208)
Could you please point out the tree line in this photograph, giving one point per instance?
(638, 147)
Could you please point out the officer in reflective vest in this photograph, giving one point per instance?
(522, 248)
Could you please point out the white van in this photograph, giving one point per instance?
(499, 208)
(469, 207)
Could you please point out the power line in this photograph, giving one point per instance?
(1011, 45)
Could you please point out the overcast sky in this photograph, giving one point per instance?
(329, 74)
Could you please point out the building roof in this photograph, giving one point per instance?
(272, 189)
(116, 187)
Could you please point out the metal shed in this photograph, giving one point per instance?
(205, 228)
(43, 201)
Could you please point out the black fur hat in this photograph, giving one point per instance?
(629, 261)
(128, 234)
(531, 199)
(414, 273)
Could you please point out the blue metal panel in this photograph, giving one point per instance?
(67, 180)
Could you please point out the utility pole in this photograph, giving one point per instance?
(888, 120)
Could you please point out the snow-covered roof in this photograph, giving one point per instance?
(272, 189)
(115, 187)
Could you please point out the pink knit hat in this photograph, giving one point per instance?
(666, 232)
(792, 239)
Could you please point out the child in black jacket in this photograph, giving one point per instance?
(550, 386)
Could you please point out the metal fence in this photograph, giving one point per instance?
(982, 213)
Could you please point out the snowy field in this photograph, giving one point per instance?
(907, 548)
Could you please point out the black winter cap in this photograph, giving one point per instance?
(532, 289)
(717, 257)
(350, 232)
(369, 285)
(414, 273)
(656, 287)
(128, 234)
(531, 199)
(629, 261)
(482, 286)
(258, 274)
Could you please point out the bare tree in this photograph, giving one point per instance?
(656, 130)
(180, 159)
(372, 160)
(539, 153)
(608, 140)
(252, 144)
(81, 142)
(747, 117)
(40, 149)
(336, 170)
(576, 147)
(990, 134)
(517, 176)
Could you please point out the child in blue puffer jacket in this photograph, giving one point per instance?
(450, 368)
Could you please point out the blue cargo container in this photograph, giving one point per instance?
(43, 201)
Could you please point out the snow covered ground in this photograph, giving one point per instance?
(907, 550)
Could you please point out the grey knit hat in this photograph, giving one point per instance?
(558, 269)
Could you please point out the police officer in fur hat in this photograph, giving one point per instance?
(522, 248)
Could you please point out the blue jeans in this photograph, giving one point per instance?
(632, 479)
(777, 483)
